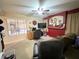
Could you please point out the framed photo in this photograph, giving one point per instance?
(13, 28)
(57, 22)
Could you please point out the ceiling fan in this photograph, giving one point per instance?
(41, 11)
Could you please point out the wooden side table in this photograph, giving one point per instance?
(30, 35)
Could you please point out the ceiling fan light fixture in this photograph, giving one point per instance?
(40, 11)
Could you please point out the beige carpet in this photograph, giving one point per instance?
(23, 49)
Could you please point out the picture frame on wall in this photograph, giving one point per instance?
(57, 22)
(13, 28)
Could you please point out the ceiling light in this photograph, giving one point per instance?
(40, 11)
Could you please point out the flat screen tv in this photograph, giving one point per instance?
(41, 25)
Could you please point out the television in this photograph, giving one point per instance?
(41, 25)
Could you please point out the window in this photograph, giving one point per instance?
(16, 27)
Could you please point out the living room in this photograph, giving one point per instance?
(20, 25)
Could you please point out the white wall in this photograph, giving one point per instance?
(30, 20)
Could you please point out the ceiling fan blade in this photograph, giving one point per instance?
(41, 2)
(47, 10)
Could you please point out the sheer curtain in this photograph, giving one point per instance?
(17, 27)
(72, 25)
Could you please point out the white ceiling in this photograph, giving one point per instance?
(25, 7)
